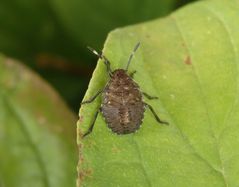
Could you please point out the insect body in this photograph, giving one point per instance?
(122, 105)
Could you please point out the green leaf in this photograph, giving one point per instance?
(31, 30)
(90, 21)
(37, 132)
(190, 61)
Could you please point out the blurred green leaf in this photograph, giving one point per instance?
(90, 21)
(30, 31)
(190, 61)
(29, 28)
(63, 29)
(37, 132)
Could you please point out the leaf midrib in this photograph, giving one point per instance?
(30, 141)
(221, 172)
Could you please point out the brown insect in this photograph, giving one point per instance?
(122, 104)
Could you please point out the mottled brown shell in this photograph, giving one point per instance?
(122, 105)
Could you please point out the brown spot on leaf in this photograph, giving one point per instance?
(115, 150)
(81, 159)
(81, 118)
(83, 174)
(79, 133)
(188, 60)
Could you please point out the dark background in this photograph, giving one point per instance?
(51, 36)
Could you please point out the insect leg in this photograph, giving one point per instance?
(92, 124)
(102, 57)
(92, 98)
(132, 74)
(149, 96)
(155, 115)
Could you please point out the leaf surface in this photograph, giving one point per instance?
(37, 132)
(90, 21)
(189, 60)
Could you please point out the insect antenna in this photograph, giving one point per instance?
(102, 57)
(131, 55)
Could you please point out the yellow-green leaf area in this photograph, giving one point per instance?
(37, 132)
(188, 59)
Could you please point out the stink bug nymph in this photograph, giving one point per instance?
(122, 104)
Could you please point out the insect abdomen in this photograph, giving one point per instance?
(122, 105)
(123, 120)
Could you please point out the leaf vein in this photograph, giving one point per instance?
(34, 148)
(203, 100)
